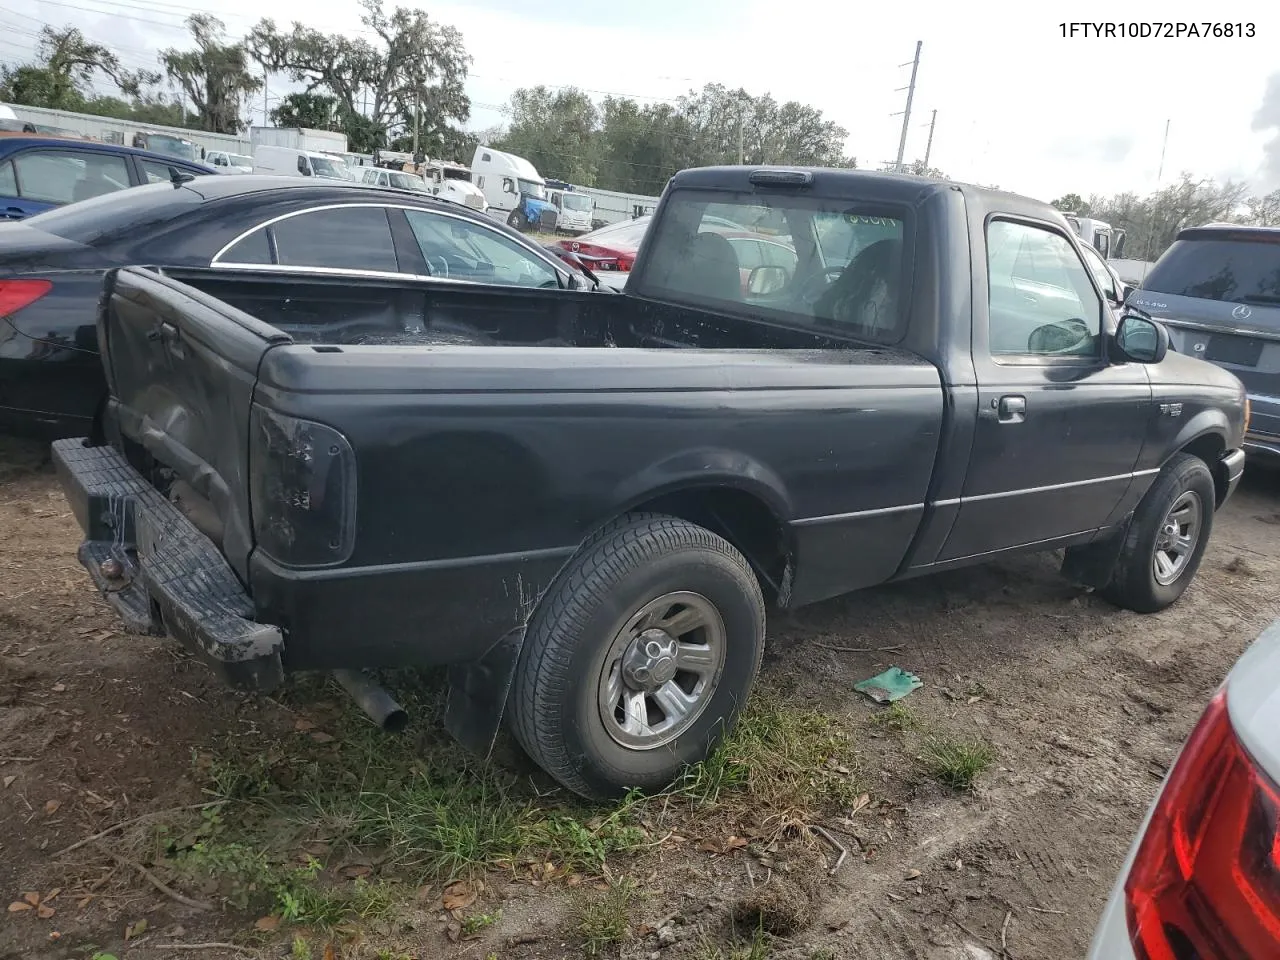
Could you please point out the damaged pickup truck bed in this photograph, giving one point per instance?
(583, 504)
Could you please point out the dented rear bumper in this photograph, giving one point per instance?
(159, 572)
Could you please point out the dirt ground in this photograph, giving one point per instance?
(1084, 704)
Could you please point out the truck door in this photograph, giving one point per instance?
(1059, 428)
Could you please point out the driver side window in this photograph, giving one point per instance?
(1041, 300)
(461, 250)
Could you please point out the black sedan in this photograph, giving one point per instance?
(52, 265)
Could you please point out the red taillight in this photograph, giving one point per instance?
(16, 294)
(1205, 883)
(624, 263)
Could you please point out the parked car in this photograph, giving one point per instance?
(39, 172)
(224, 162)
(51, 266)
(611, 251)
(581, 503)
(1217, 289)
(379, 177)
(1202, 879)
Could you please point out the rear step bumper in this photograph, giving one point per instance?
(167, 576)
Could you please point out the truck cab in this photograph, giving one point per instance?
(575, 210)
(452, 181)
(289, 162)
(513, 188)
(1106, 239)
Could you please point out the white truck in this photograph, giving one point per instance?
(450, 180)
(575, 208)
(513, 188)
(224, 162)
(299, 138)
(294, 162)
(1107, 240)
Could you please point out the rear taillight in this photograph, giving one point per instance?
(16, 294)
(1205, 882)
(302, 488)
(624, 263)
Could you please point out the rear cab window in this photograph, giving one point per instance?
(831, 265)
(1243, 270)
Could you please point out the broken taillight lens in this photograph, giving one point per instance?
(16, 294)
(1205, 882)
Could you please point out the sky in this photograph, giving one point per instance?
(1019, 105)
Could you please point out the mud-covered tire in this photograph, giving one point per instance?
(1185, 487)
(517, 220)
(570, 663)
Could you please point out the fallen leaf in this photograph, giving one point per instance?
(317, 849)
(55, 935)
(51, 807)
(837, 925)
(85, 901)
(45, 912)
(135, 929)
(52, 894)
(458, 896)
(861, 802)
(32, 898)
(353, 870)
(574, 879)
(329, 952)
(320, 736)
(8, 781)
(912, 874)
(18, 906)
(734, 843)
(974, 699)
(304, 725)
(267, 924)
(59, 688)
(709, 846)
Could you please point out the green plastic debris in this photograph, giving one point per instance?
(894, 684)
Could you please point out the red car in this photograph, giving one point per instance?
(612, 249)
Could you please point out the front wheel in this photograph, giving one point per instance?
(1166, 539)
(517, 220)
(639, 658)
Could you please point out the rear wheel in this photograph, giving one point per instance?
(639, 658)
(1166, 539)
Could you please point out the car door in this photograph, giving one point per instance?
(1101, 275)
(456, 248)
(40, 178)
(1059, 427)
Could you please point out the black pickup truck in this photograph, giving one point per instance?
(583, 505)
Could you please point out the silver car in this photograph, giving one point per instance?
(1217, 289)
(1202, 881)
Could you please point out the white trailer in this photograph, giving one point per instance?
(300, 138)
(610, 206)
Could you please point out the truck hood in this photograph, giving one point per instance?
(1181, 368)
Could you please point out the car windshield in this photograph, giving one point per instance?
(407, 181)
(239, 160)
(171, 146)
(533, 189)
(576, 201)
(452, 174)
(835, 265)
(324, 167)
(1234, 271)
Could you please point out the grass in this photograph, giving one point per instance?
(757, 948)
(603, 921)
(295, 810)
(897, 717)
(779, 759)
(957, 763)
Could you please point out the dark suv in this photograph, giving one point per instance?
(38, 172)
(1217, 289)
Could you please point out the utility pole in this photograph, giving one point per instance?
(415, 127)
(1165, 144)
(929, 146)
(264, 96)
(906, 114)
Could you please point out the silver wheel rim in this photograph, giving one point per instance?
(1176, 540)
(661, 671)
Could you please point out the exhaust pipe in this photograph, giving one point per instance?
(373, 700)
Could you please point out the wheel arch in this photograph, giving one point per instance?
(1209, 446)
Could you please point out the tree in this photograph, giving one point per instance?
(314, 110)
(1072, 203)
(554, 131)
(62, 77)
(1152, 223)
(215, 75)
(416, 63)
(1265, 211)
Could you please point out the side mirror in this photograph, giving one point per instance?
(1140, 340)
(1124, 291)
(763, 281)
